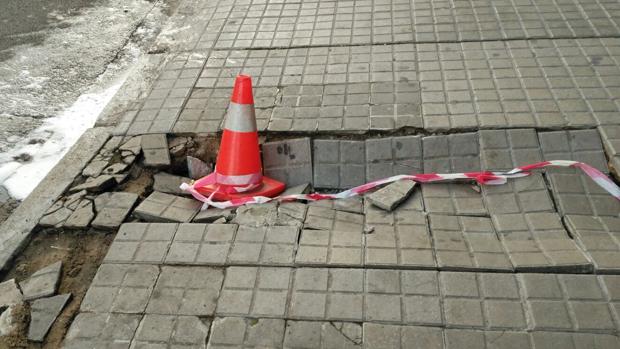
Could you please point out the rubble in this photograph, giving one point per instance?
(96, 185)
(81, 216)
(9, 293)
(162, 207)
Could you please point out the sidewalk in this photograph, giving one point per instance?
(353, 91)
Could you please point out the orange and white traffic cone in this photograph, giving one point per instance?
(238, 169)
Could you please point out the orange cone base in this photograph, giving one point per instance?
(269, 188)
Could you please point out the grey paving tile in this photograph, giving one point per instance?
(112, 209)
(401, 337)
(463, 338)
(161, 207)
(255, 292)
(324, 218)
(235, 332)
(578, 145)
(610, 135)
(274, 245)
(186, 291)
(288, 161)
(391, 156)
(542, 339)
(599, 237)
(526, 194)
(451, 153)
(453, 198)
(170, 331)
(101, 330)
(467, 243)
(42, 283)
(291, 214)
(539, 242)
(167, 183)
(576, 193)
(330, 247)
(322, 335)
(201, 244)
(507, 149)
(390, 196)
(141, 243)
(155, 150)
(338, 164)
(43, 313)
(120, 288)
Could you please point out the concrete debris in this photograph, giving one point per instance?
(391, 195)
(42, 283)
(9, 293)
(96, 185)
(213, 214)
(197, 168)
(43, 313)
(168, 183)
(162, 207)
(112, 208)
(155, 148)
(56, 218)
(81, 217)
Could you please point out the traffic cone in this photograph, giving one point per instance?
(238, 169)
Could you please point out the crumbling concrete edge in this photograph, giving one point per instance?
(16, 230)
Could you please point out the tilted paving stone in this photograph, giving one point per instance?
(43, 313)
(101, 330)
(167, 183)
(507, 149)
(392, 195)
(120, 288)
(322, 335)
(186, 291)
(81, 216)
(610, 135)
(467, 243)
(353, 204)
(170, 331)
(161, 207)
(576, 193)
(155, 149)
(201, 244)
(288, 161)
(236, 332)
(255, 292)
(599, 237)
(330, 247)
(324, 218)
(338, 164)
(141, 243)
(274, 245)
(577, 145)
(538, 242)
(392, 156)
(42, 283)
(526, 194)
(451, 153)
(453, 198)
(112, 209)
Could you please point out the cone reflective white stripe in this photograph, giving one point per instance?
(240, 118)
(238, 180)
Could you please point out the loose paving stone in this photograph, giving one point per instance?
(155, 149)
(197, 168)
(42, 283)
(304, 188)
(353, 204)
(235, 332)
(81, 217)
(202, 244)
(167, 183)
(325, 218)
(95, 185)
(400, 239)
(186, 291)
(288, 161)
(453, 198)
(9, 293)
(169, 331)
(291, 213)
(330, 247)
(386, 157)
(391, 195)
(482, 300)
(274, 245)
(451, 153)
(610, 135)
(255, 292)
(538, 242)
(402, 337)
(212, 214)
(257, 215)
(322, 335)
(338, 164)
(112, 209)
(599, 237)
(567, 303)
(43, 313)
(507, 149)
(101, 330)
(577, 145)
(519, 195)
(467, 243)
(120, 288)
(141, 243)
(161, 207)
(576, 193)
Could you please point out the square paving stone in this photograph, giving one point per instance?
(539, 242)
(353, 204)
(411, 206)
(167, 183)
(386, 157)
(577, 145)
(42, 283)
(273, 245)
(141, 243)
(322, 335)
(235, 332)
(465, 338)
(330, 247)
(155, 150)
(338, 164)
(325, 218)
(467, 243)
(112, 208)
(288, 161)
(451, 153)
(186, 291)
(101, 330)
(526, 194)
(255, 292)
(576, 193)
(507, 149)
(120, 288)
(543, 339)
(599, 237)
(611, 142)
(161, 207)
(390, 196)
(201, 244)
(170, 331)
(393, 336)
(453, 198)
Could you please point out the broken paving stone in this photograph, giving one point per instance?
(298, 189)
(112, 208)
(129, 159)
(9, 293)
(178, 145)
(391, 195)
(213, 214)
(167, 183)
(81, 216)
(162, 207)
(56, 218)
(257, 215)
(197, 168)
(42, 283)
(155, 149)
(95, 166)
(132, 146)
(43, 313)
(96, 185)
(115, 168)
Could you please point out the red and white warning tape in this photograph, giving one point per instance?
(483, 178)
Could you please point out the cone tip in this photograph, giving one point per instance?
(242, 92)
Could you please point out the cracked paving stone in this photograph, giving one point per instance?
(578, 145)
(101, 330)
(112, 209)
(42, 283)
(325, 218)
(43, 313)
(394, 336)
(507, 149)
(141, 243)
(599, 237)
(386, 157)
(155, 149)
(330, 247)
(338, 164)
(10, 293)
(451, 153)
(161, 207)
(56, 218)
(352, 204)
(234, 332)
(81, 216)
(467, 338)
(201, 244)
(171, 331)
(291, 214)
(519, 195)
(95, 185)
(257, 215)
(576, 193)
(453, 199)
(167, 183)
(288, 161)
(273, 245)
(212, 214)
(391, 195)
(322, 335)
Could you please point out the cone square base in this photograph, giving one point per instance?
(269, 188)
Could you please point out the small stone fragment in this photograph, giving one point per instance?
(112, 208)
(162, 207)
(43, 313)
(197, 168)
(96, 185)
(168, 183)
(42, 283)
(212, 214)
(392, 195)
(257, 215)
(155, 149)
(56, 218)
(9, 293)
(81, 217)
(298, 189)
(73, 200)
